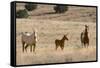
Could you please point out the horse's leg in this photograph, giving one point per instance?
(82, 45)
(88, 43)
(62, 47)
(34, 47)
(56, 46)
(26, 47)
(30, 48)
(85, 45)
(23, 43)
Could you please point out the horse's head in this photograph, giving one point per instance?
(35, 34)
(65, 37)
(86, 27)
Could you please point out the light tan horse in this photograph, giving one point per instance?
(29, 40)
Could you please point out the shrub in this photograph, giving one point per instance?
(60, 8)
(30, 7)
(22, 14)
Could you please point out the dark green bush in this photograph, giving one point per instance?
(60, 8)
(22, 14)
(30, 7)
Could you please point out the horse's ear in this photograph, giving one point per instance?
(86, 25)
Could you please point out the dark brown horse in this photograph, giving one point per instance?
(84, 37)
(60, 43)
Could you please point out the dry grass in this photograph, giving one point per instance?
(54, 26)
(48, 31)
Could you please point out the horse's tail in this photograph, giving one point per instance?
(56, 44)
(82, 37)
(55, 41)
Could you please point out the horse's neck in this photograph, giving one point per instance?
(34, 35)
(86, 31)
(63, 39)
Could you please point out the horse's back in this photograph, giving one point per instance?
(30, 39)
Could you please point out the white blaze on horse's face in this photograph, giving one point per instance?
(36, 34)
(28, 34)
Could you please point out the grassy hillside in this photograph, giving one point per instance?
(47, 32)
(51, 26)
